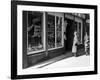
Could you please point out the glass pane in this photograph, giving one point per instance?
(35, 31)
(58, 31)
(51, 31)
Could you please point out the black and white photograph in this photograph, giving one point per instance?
(53, 39)
(65, 35)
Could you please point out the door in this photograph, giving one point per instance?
(69, 34)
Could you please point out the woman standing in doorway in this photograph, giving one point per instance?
(86, 43)
(75, 43)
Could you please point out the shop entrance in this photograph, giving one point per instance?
(69, 34)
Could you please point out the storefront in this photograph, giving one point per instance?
(42, 36)
(44, 32)
(76, 21)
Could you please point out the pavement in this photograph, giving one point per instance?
(66, 60)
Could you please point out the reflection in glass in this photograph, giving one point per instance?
(51, 31)
(58, 31)
(35, 31)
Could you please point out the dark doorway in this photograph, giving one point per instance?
(69, 34)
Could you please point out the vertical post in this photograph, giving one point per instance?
(74, 21)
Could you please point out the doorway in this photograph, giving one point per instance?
(69, 34)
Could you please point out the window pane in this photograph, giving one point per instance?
(58, 31)
(51, 31)
(35, 31)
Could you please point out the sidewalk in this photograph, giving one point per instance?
(82, 61)
(65, 59)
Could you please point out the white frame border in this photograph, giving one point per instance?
(21, 71)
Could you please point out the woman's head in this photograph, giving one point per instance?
(75, 33)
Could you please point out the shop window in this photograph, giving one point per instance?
(51, 31)
(55, 25)
(78, 27)
(35, 31)
(58, 31)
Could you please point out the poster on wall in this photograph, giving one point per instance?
(52, 39)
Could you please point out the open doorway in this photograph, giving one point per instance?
(69, 34)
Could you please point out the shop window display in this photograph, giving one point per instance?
(35, 31)
(51, 31)
(78, 27)
(58, 31)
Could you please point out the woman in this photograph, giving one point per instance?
(75, 42)
(86, 43)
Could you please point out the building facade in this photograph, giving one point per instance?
(43, 34)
